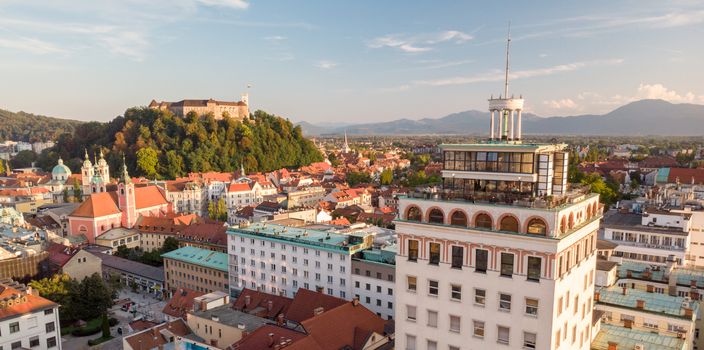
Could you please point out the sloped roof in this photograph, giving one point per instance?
(346, 325)
(60, 254)
(181, 302)
(32, 304)
(152, 338)
(214, 233)
(97, 205)
(148, 196)
(265, 337)
(262, 304)
(239, 187)
(306, 301)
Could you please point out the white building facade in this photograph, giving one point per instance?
(28, 322)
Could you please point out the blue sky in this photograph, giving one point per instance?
(352, 61)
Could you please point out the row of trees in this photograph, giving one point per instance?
(158, 144)
(153, 257)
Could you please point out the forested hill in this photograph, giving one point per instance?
(21, 126)
(159, 144)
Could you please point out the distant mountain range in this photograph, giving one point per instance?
(644, 117)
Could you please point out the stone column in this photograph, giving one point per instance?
(491, 126)
(510, 126)
(519, 129)
(501, 124)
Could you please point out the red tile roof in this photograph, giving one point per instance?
(97, 205)
(181, 303)
(141, 325)
(149, 196)
(267, 336)
(214, 233)
(60, 254)
(239, 187)
(262, 304)
(306, 301)
(686, 175)
(346, 325)
(152, 337)
(23, 303)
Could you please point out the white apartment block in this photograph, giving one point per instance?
(27, 321)
(374, 281)
(279, 259)
(503, 256)
(239, 194)
(652, 237)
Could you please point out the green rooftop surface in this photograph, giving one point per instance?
(628, 338)
(683, 275)
(654, 302)
(198, 256)
(303, 236)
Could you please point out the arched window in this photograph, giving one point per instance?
(563, 225)
(436, 216)
(509, 223)
(458, 218)
(413, 214)
(537, 227)
(571, 222)
(483, 220)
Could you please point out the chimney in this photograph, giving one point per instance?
(629, 274)
(355, 301)
(597, 296)
(269, 305)
(649, 288)
(625, 291)
(280, 319)
(247, 300)
(270, 341)
(640, 304)
(613, 345)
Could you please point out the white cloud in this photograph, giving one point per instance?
(658, 91)
(326, 64)
(31, 45)
(565, 103)
(498, 75)
(419, 43)
(235, 4)
(275, 38)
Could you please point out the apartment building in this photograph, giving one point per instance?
(304, 197)
(503, 253)
(280, 259)
(197, 269)
(374, 279)
(27, 321)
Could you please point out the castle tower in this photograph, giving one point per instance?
(102, 168)
(508, 110)
(125, 198)
(87, 172)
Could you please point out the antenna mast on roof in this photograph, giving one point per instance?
(508, 50)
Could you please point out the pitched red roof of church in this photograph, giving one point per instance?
(97, 205)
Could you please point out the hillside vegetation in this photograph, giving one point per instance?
(21, 126)
(157, 144)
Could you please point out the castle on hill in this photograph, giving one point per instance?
(238, 110)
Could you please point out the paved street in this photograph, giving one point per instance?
(147, 308)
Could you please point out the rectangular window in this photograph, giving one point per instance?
(479, 329)
(412, 283)
(412, 250)
(14, 327)
(454, 323)
(33, 342)
(504, 302)
(532, 307)
(50, 327)
(534, 267)
(433, 287)
(503, 335)
(482, 260)
(432, 318)
(432, 345)
(410, 312)
(456, 292)
(529, 340)
(480, 296)
(507, 264)
(16, 345)
(410, 342)
(457, 257)
(434, 258)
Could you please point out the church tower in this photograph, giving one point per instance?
(102, 168)
(125, 198)
(87, 172)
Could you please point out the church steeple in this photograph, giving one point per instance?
(346, 148)
(125, 176)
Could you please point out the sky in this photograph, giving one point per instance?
(347, 61)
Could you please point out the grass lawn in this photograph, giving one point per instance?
(92, 324)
